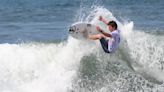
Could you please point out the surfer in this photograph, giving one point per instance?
(108, 45)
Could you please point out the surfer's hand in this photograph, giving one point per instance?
(98, 29)
(100, 18)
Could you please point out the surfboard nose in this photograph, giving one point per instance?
(71, 30)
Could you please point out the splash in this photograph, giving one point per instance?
(145, 50)
(136, 66)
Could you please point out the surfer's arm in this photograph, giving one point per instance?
(104, 33)
(103, 20)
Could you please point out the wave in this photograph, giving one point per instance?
(82, 65)
(40, 67)
(138, 63)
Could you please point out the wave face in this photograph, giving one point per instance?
(73, 65)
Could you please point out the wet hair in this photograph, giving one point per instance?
(113, 24)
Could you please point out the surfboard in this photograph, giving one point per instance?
(82, 30)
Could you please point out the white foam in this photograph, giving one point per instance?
(40, 67)
(145, 49)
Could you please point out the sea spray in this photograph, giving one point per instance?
(109, 71)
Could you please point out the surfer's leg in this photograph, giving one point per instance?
(95, 37)
(104, 44)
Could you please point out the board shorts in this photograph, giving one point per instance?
(104, 44)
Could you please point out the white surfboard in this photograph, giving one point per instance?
(82, 30)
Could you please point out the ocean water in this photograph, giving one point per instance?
(38, 55)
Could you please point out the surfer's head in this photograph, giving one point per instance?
(112, 25)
